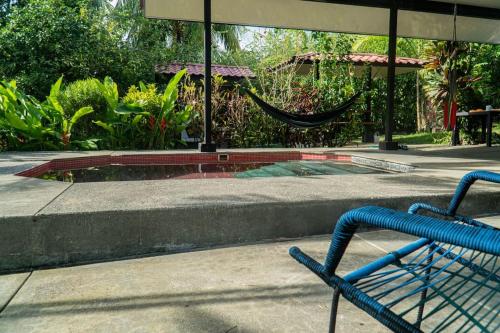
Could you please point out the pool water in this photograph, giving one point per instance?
(305, 168)
(196, 171)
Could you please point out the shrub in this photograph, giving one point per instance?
(80, 94)
(83, 93)
(145, 96)
(143, 118)
(44, 39)
(26, 123)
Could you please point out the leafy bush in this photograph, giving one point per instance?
(143, 119)
(44, 39)
(237, 122)
(83, 93)
(28, 124)
(121, 123)
(145, 96)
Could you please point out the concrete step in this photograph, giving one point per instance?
(107, 221)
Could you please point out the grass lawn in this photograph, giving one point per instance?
(423, 138)
(431, 138)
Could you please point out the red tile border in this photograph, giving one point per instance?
(192, 158)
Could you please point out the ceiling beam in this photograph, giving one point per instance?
(425, 6)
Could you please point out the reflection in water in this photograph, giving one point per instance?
(148, 172)
(195, 171)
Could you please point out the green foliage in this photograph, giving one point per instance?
(424, 138)
(48, 38)
(145, 96)
(28, 124)
(487, 68)
(83, 93)
(405, 47)
(118, 120)
(143, 119)
(80, 94)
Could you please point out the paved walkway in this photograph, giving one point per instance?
(54, 223)
(21, 196)
(253, 288)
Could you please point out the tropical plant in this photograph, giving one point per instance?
(29, 124)
(120, 121)
(449, 74)
(405, 47)
(167, 126)
(144, 95)
(143, 119)
(167, 39)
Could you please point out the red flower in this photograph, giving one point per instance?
(163, 125)
(152, 122)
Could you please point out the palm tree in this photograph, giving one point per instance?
(406, 47)
(178, 32)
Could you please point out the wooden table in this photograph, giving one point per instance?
(487, 119)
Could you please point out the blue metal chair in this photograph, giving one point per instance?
(448, 280)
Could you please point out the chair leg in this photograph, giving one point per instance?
(423, 293)
(333, 310)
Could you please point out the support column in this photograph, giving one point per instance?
(388, 144)
(368, 135)
(316, 70)
(208, 145)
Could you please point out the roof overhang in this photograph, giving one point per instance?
(477, 21)
(304, 64)
(197, 70)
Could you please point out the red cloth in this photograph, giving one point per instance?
(453, 119)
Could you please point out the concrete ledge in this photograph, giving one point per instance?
(51, 223)
(73, 238)
(382, 164)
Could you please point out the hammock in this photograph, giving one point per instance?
(303, 121)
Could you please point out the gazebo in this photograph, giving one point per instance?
(476, 21)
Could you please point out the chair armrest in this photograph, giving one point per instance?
(309, 262)
(416, 207)
(466, 183)
(481, 239)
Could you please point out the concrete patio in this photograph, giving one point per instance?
(48, 223)
(253, 288)
(222, 286)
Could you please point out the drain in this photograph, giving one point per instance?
(223, 157)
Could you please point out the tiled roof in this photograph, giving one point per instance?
(199, 70)
(355, 58)
(383, 59)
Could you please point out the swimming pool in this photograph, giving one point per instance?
(195, 166)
